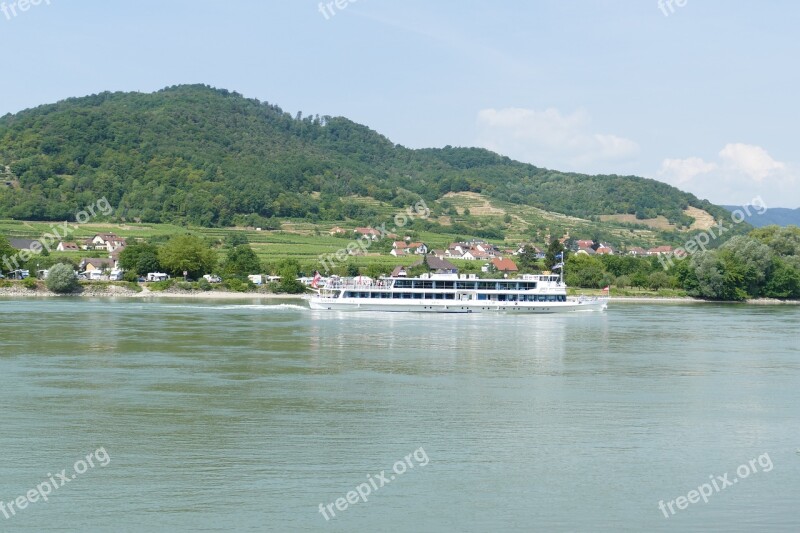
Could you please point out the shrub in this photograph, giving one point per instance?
(185, 285)
(161, 285)
(61, 279)
(29, 283)
(623, 282)
(132, 285)
(237, 285)
(203, 284)
(659, 280)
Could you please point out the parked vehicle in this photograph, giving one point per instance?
(157, 276)
(18, 274)
(212, 278)
(116, 275)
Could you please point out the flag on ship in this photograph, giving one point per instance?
(315, 281)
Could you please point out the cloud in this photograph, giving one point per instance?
(680, 171)
(550, 139)
(742, 172)
(750, 160)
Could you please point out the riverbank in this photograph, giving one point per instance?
(124, 291)
(690, 300)
(121, 291)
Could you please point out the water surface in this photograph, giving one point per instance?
(230, 416)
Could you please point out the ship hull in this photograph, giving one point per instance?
(450, 306)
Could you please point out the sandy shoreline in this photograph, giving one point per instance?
(687, 299)
(122, 292)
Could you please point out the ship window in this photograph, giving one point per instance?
(482, 296)
(450, 296)
(418, 296)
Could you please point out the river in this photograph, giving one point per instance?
(250, 416)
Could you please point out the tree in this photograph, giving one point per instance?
(236, 238)
(783, 241)
(376, 270)
(659, 280)
(148, 262)
(61, 279)
(751, 259)
(140, 258)
(289, 270)
(708, 275)
(6, 253)
(187, 253)
(585, 271)
(241, 261)
(527, 258)
(784, 282)
(553, 250)
(622, 282)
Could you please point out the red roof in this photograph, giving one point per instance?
(504, 265)
(661, 250)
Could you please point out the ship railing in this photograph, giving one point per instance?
(360, 286)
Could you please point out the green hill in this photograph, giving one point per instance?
(210, 157)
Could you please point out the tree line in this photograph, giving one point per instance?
(201, 156)
(763, 264)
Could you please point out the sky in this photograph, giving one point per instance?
(700, 95)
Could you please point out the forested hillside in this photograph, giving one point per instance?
(210, 157)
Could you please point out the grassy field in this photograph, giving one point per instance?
(301, 242)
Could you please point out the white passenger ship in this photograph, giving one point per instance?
(453, 293)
